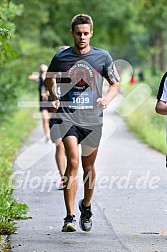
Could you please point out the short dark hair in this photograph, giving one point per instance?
(82, 19)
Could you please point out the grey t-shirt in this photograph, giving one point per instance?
(80, 81)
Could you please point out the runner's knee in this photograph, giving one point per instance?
(72, 166)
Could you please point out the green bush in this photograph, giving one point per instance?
(148, 126)
(10, 141)
(153, 80)
(16, 123)
(10, 210)
(14, 76)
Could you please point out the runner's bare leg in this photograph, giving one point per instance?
(60, 158)
(72, 153)
(88, 159)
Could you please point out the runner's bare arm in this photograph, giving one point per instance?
(51, 85)
(161, 107)
(33, 76)
(111, 93)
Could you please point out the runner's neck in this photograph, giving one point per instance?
(81, 51)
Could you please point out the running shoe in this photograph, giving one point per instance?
(85, 221)
(60, 185)
(69, 224)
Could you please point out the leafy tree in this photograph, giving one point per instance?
(33, 19)
(153, 15)
(8, 12)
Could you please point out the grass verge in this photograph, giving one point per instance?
(148, 125)
(13, 131)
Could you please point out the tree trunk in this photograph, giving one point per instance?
(162, 53)
(153, 63)
(158, 52)
(154, 59)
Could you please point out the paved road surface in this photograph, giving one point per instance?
(129, 204)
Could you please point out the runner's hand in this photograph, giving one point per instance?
(44, 98)
(54, 105)
(102, 102)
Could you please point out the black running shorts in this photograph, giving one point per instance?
(55, 133)
(87, 135)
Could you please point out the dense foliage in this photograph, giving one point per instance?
(129, 29)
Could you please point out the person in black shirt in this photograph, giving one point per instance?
(43, 97)
(82, 69)
(161, 105)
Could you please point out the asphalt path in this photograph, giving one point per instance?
(129, 204)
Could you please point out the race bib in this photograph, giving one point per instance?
(81, 100)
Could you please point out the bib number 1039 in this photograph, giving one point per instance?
(82, 100)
